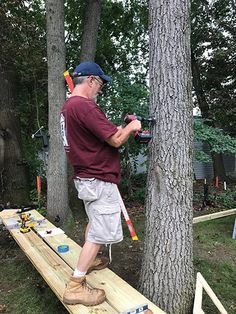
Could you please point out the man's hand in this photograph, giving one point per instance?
(122, 134)
(135, 125)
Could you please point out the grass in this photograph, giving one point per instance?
(22, 289)
(215, 259)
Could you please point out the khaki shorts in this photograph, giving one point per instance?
(102, 207)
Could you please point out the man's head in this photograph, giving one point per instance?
(90, 68)
(91, 74)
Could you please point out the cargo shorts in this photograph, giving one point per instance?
(102, 207)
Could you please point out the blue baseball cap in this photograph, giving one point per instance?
(91, 68)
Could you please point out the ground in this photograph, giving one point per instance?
(22, 290)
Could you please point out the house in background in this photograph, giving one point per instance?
(201, 170)
(204, 170)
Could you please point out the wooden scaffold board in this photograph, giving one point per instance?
(56, 269)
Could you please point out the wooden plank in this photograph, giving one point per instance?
(212, 295)
(214, 216)
(197, 307)
(53, 269)
(116, 288)
(119, 294)
(234, 230)
(8, 213)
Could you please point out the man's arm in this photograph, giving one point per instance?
(122, 135)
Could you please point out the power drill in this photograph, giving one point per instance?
(24, 219)
(144, 136)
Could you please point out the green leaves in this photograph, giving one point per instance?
(218, 140)
(213, 45)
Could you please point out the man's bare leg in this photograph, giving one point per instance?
(87, 255)
(86, 231)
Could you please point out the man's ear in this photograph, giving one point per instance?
(90, 81)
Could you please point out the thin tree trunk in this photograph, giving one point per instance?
(218, 163)
(57, 190)
(197, 84)
(13, 175)
(90, 31)
(167, 268)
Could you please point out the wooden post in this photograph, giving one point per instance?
(234, 230)
(214, 216)
(217, 182)
(200, 284)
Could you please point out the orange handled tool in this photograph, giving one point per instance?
(127, 219)
(69, 81)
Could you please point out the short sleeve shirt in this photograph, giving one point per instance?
(85, 128)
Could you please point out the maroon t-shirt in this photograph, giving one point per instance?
(84, 129)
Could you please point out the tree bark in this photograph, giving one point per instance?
(57, 190)
(90, 31)
(167, 268)
(14, 187)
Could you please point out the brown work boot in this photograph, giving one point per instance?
(98, 264)
(78, 292)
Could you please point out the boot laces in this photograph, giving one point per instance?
(87, 288)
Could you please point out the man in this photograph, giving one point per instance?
(91, 143)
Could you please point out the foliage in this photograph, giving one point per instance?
(227, 199)
(39, 200)
(222, 199)
(23, 44)
(201, 156)
(218, 140)
(122, 51)
(213, 44)
(137, 192)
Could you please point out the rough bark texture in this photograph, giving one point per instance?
(90, 32)
(167, 268)
(57, 195)
(13, 175)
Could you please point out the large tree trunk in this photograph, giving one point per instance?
(167, 268)
(90, 31)
(13, 176)
(218, 163)
(57, 190)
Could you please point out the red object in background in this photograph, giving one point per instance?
(38, 184)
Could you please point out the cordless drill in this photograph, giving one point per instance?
(24, 219)
(144, 136)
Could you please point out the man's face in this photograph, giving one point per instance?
(97, 85)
